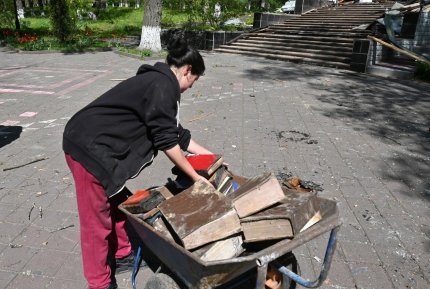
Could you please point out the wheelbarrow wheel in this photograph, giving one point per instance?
(161, 281)
(290, 262)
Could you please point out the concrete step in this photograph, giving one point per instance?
(295, 24)
(288, 58)
(331, 21)
(313, 29)
(323, 37)
(327, 50)
(346, 19)
(353, 8)
(346, 11)
(269, 50)
(390, 72)
(302, 43)
(352, 34)
(335, 13)
(301, 37)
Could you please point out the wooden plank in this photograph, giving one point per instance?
(389, 45)
(264, 230)
(256, 194)
(223, 249)
(298, 207)
(200, 215)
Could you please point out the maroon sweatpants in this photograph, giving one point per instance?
(102, 226)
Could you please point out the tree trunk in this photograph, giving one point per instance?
(151, 28)
(17, 24)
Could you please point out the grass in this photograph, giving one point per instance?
(111, 26)
(140, 53)
(118, 21)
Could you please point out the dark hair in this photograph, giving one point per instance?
(180, 54)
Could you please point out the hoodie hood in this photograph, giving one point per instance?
(159, 66)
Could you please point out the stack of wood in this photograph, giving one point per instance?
(223, 221)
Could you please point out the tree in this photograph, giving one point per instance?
(63, 23)
(7, 13)
(151, 28)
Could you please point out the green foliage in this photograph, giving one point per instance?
(422, 71)
(114, 23)
(7, 15)
(63, 21)
(171, 18)
(146, 53)
(84, 41)
(25, 41)
(271, 5)
(203, 11)
(112, 13)
(142, 53)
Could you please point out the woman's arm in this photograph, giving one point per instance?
(176, 156)
(195, 148)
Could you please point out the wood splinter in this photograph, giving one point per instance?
(26, 164)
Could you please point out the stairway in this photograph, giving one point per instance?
(322, 37)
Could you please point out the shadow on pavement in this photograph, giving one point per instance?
(9, 134)
(393, 111)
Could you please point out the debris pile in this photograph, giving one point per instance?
(236, 216)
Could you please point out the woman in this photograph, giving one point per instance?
(113, 139)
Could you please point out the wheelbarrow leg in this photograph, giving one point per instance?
(324, 271)
(261, 276)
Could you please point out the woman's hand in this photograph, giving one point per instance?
(176, 156)
(203, 179)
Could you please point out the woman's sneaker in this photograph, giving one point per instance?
(127, 263)
(112, 286)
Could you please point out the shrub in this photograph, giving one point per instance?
(24, 40)
(423, 71)
(204, 11)
(7, 15)
(63, 21)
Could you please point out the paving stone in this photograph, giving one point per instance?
(25, 214)
(64, 240)
(359, 252)
(67, 284)
(42, 198)
(27, 280)
(369, 156)
(6, 277)
(339, 276)
(8, 232)
(12, 183)
(71, 270)
(14, 259)
(405, 277)
(46, 262)
(369, 276)
(318, 246)
(307, 270)
(6, 210)
(15, 197)
(64, 203)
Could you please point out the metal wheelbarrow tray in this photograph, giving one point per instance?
(196, 273)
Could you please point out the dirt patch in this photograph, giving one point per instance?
(294, 136)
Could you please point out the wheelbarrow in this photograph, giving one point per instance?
(196, 273)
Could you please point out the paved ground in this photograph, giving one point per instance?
(364, 139)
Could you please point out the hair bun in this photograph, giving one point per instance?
(177, 46)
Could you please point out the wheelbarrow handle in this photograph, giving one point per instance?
(324, 271)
